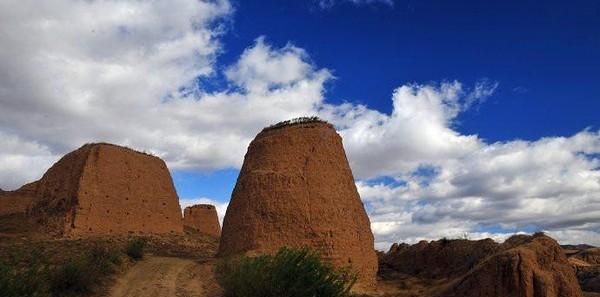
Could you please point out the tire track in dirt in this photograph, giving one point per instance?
(167, 277)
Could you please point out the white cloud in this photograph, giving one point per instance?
(124, 72)
(260, 68)
(576, 236)
(417, 132)
(20, 159)
(444, 183)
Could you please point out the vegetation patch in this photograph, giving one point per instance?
(135, 248)
(289, 273)
(35, 273)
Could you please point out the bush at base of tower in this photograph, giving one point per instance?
(289, 273)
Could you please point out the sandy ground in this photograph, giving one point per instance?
(167, 277)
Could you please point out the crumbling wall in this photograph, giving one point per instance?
(108, 189)
(202, 218)
(18, 201)
(296, 189)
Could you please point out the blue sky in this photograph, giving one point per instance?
(457, 116)
(546, 59)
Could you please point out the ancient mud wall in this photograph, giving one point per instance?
(296, 189)
(202, 218)
(107, 189)
(18, 201)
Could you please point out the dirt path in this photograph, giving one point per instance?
(167, 277)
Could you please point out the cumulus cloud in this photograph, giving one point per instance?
(133, 73)
(442, 183)
(417, 132)
(19, 160)
(126, 72)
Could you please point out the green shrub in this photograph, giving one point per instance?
(289, 273)
(135, 248)
(80, 274)
(24, 280)
(72, 277)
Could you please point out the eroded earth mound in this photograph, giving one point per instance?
(586, 263)
(296, 189)
(436, 259)
(107, 189)
(202, 218)
(523, 266)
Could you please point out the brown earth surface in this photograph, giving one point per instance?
(202, 218)
(296, 189)
(185, 258)
(107, 189)
(167, 277)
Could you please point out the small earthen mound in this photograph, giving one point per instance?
(525, 266)
(107, 189)
(296, 189)
(202, 218)
(436, 259)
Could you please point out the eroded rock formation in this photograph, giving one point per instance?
(436, 259)
(107, 189)
(591, 255)
(586, 263)
(202, 218)
(524, 266)
(296, 189)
